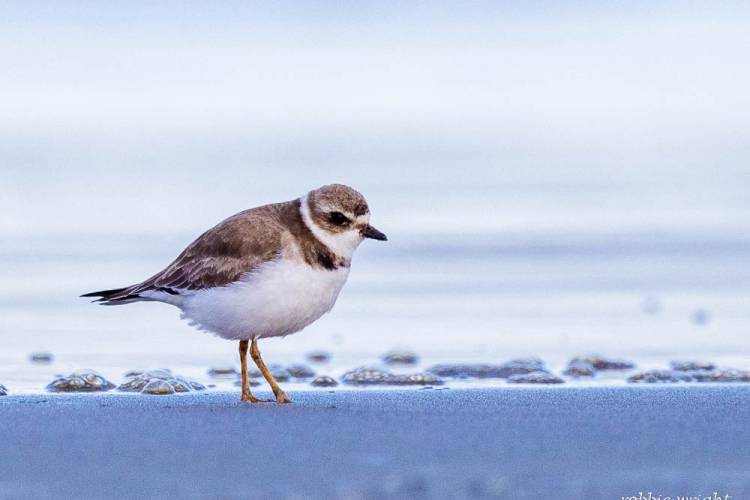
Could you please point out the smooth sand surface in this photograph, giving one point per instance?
(560, 442)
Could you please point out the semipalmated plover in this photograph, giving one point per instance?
(266, 272)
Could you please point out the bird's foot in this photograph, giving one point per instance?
(252, 399)
(281, 397)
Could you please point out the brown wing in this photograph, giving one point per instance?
(218, 257)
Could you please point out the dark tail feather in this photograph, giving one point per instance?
(113, 297)
(105, 294)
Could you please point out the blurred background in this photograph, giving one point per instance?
(555, 179)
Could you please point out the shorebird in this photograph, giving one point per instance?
(269, 271)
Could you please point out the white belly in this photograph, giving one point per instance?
(279, 298)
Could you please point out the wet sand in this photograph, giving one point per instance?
(561, 442)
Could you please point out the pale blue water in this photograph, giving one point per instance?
(541, 173)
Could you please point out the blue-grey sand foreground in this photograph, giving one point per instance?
(584, 442)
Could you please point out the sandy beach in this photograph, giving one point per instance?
(607, 442)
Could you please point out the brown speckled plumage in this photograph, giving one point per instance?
(242, 242)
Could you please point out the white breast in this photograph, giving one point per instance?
(278, 298)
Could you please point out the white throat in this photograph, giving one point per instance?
(342, 244)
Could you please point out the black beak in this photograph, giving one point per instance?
(372, 233)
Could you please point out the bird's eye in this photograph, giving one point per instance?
(338, 218)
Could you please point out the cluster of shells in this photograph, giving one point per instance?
(516, 371)
(691, 371)
(161, 381)
(534, 371)
(81, 381)
(362, 376)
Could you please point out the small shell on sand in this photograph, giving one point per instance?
(691, 366)
(580, 369)
(160, 381)
(135, 384)
(324, 381)
(504, 370)
(41, 358)
(539, 377)
(375, 376)
(222, 372)
(300, 371)
(318, 356)
(601, 363)
(3, 390)
(157, 386)
(415, 379)
(660, 377)
(179, 385)
(400, 357)
(81, 381)
(366, 376)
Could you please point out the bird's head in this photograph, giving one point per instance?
(339, 217)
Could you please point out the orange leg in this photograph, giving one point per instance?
(246, 394)
(281, 396)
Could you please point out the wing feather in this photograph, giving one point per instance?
(219, 256)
